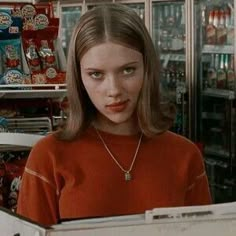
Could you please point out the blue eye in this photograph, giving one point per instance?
(128, 70)
(95, 75)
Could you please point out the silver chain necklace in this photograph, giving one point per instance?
(128, 176)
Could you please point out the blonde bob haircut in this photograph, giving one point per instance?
(118, 24)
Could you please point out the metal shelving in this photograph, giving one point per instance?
(14, 91)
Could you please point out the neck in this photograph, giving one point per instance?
(119, 129)
(127, 171)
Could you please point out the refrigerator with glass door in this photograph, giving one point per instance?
(140, 6)
(169, 27)
(70, 14)
(214, 45)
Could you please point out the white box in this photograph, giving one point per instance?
(217, 220)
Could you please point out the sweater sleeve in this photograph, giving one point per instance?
(197, 192)
(38, 196)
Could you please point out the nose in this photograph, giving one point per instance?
(114, 86)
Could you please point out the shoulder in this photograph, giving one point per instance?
(45, 150)
(187, 150)
(51, 148)
(176, 142)
(177, 148)
(49, 140)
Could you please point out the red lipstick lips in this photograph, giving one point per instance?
(117, 107)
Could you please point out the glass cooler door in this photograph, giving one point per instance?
(169, 36)
(215, 74)
(137, 5)
(69, 16)
(93, 3)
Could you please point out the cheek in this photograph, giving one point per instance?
(92, 90)
(85, 82)
(136, 88)
(88, 85)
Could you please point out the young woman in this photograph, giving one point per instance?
(114, 156)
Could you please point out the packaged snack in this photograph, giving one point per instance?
(2, 184)
(47, 53)
(45, 44)
(41, 21)
(38, 78)
(28, 12)
(32, 56)
(10, 26)
(7, 112)
(3, 124)
(10, 54)
(45, 8)
(13, 77)
(14, 172)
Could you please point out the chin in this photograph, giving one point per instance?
(120, 119)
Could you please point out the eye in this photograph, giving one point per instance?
(128, 70)
(95, 75)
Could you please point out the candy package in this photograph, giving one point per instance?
(10, 54)
(10, 26)
(14, 171)
(2, 185)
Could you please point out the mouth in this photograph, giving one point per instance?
(117, 106)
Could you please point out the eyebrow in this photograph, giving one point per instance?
(122, 66)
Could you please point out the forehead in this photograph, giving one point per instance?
(110, 52)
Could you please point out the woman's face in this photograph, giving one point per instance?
(113, 75)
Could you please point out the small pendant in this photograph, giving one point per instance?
(127, 176)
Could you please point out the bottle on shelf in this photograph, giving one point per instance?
(171, 16)
(177, 41)
(166, 13)
(165, 41)
(230, 74)
(203, 15)
(216, 18)
(182, 23)
(211, 28)
(142, 13)
(211, 73)
(229, 24)
(172, 70)
(178, 15)
(160, 17)
(221, 73)
(203, 21)
(221, 31)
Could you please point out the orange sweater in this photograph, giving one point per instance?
(66, 180)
